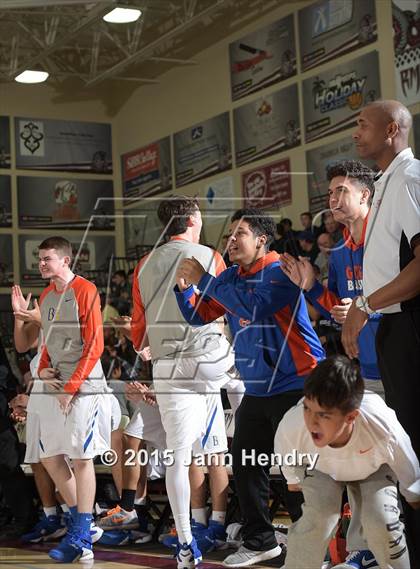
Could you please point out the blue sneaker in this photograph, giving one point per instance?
(359, 560)
(188, 556)
(202, 534)
(218, 533)
(47, 529)
(75, 546)
(115, 537)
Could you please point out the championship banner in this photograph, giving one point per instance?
(57, 203)
(142, 228)
(44, 144)
(406, 27)
(147, 171)
(5, 202)
(219, 201)
(202, 150)
(6, 260)
(268, 186)
(92, 255)
(4, 142)
(416, 133)
(262, 58)
(333, 99)
(267, 126)
(329, 29)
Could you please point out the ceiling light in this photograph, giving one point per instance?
(122, 15)
(29, 76)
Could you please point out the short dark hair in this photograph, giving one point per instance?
(336, 383)
(287, 220)
(109, 363)
(174, 212)
(308, 213)
(120, 273)
(258, 221)
(60, 244)
(353, 169)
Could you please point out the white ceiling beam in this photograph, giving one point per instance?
(85, 76)
(173, 60)
(145, 51)
(95, 53)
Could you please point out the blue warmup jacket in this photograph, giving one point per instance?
(345, 280)
(275, 344)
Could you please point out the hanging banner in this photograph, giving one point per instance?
(5, 202)
(262, 58)
(6, 260)
(268, 186)
(267, 126)
(147, 171)
(406, 26)
(55, 203)
(333, 99)
(4, 142)
(317, 161)
(202, 150)
(93, 253)
(45, 144)
(416, 132)
(219, 201)
(329, 29)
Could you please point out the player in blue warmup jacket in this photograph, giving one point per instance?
(350, 189)
(275, 349)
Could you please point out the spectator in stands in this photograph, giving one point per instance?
(120, 292)
(333, 227)
(306, 220)
(325, 244)
(307, 245)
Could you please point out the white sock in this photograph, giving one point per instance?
(50, 511)
(140, 501)
(65, 508)
(219, 517)
(199, 515)
(179, 493)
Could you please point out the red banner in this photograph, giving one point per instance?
(268, 186)
(141, 161)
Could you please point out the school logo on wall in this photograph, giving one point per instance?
(197, 132)
(31, 138)
(406, 27)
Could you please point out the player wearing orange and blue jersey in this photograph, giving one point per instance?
(275, 349)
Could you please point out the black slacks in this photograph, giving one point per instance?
(398, 350)
(256, 423)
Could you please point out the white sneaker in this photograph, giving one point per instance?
(245, 557)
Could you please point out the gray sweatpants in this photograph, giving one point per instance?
(374, 504)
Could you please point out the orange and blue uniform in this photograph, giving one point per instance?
(275, 344)
(345, 280)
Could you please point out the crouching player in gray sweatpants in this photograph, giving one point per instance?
(361, 446)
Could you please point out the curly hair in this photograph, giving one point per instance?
(353, 169)
(259, 223)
